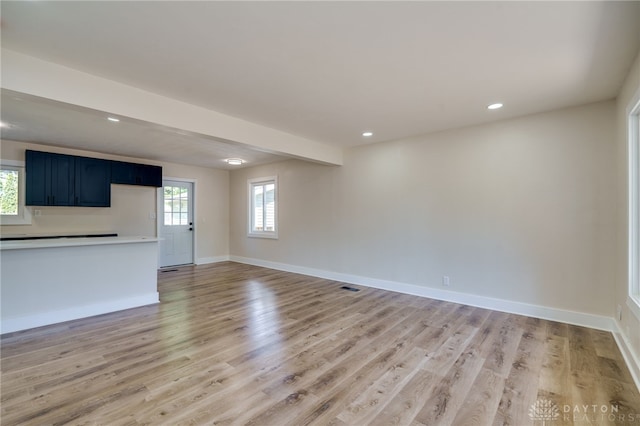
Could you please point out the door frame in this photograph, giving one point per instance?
(160, 214)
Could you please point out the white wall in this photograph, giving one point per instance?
(630, 324)
(522, 210)
(131, 205)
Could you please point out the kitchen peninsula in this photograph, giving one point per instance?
(50, 280)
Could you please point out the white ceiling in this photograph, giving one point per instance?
(328, 71)
(34, 119)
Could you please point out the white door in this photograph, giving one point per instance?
(176, 227)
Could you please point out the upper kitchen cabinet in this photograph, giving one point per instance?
(69, 180)
(92, 182)
(136, 174)
(49, 179)
(66, 180)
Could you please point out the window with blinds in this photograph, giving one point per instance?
(263, 207)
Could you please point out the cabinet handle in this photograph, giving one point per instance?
(76, 201)
(48, 200)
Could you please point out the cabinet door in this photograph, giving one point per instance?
(123, 173)
(49, 179)
(136, 174)
(61, 172)
(92, 182)
(36, 178)
(148, 175)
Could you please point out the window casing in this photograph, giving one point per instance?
(12, 194)
(263, 207)
(634, 207)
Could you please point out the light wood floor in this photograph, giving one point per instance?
(237, 344)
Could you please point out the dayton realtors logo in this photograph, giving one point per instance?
(547, 411)
(544, 410)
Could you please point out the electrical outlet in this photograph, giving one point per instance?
(445, 281)
(152, 215)
(619, 312)
(37, 212)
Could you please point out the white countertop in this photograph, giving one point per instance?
(71, 242)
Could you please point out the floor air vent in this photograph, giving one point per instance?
(346, 287)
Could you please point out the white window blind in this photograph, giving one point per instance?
(263, 219)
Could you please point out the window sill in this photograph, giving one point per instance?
(24, 219)
(268, 235)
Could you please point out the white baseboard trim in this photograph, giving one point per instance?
(554, 314)
(215, 259)
(631, 357)
(10, 325)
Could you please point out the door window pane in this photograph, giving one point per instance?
(176, 206)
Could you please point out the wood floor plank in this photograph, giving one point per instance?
(447, 397)
(370, 402)
(403, 407)
(521, 385)
(482, 401)
(555, 376)
(390, 355)
(605, 345)
(234, 344)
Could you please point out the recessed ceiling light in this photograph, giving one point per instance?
(113, 119)
(367, 134)
(495, 106)
(234, 161)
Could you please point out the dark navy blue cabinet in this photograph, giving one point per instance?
(62, 172)
(37, 178)
(136, 174)
(69, 180)
(122, 173)
(66, 180)
(92, 182)
(50, 179)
